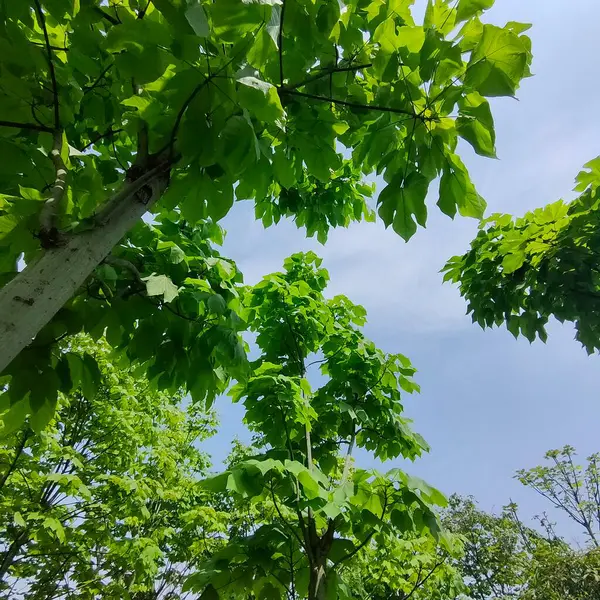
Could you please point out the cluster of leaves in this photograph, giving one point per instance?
(165, 301)
(269, 89)
(91, 505)
(402, 568)
(523, 271)
(326, 512)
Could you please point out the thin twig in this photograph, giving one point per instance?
(424, 580)
(100, 136)
(125, 264)
(349, 454)
(13, 464)
(171, 144)
(112, 20)
(389, 109)
(42, 19)
(326, 73)
(31, 126)
(280, 42)
(143, 12)
(89, 88)
(364, 542)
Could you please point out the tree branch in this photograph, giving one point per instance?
(349, 454)
(42, 20)
(284, 521)
(424, 580)
(13, 464)
(49, 234)
(125, 264)
(326, 73)
(280, 42)
(389, 109)
(31, 126)
(143, 12)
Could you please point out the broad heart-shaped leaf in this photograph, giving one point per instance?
(197, 19)
(499, 62)
(469, 8)
(400, 200)
(512, 262)
(237, 145)
(232, 18)
(457, 191)
(161, 285)
(476, 124)
(261, 98)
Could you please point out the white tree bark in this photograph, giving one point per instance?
(30, 300)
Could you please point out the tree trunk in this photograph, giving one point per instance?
(30, 300)
(317, 585)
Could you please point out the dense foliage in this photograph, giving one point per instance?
(112, 109)
(89, 506)
(523, 271)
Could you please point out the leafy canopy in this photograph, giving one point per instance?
(523, 271)
(285, 104)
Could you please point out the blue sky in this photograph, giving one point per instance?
(489, 404)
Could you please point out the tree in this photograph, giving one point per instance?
(523, 271)
(322, 511)
(505, 559)
(105, 500)
(113, 110)
(562, 573)
(570, 488)
(414, 567)
(166, 302)
(498, 550)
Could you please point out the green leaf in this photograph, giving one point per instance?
(283, 168)
(512, 262)
(42, 415)
(261, 99)
(498, 63)
(476, 124)
(237, 146)
(13, 418)
(197, 19)
(216, 304)
(232, 18)
(161, 285)
(30, 193)
(402, 199)
(457, 190)
(469, 8)
(56, 527)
